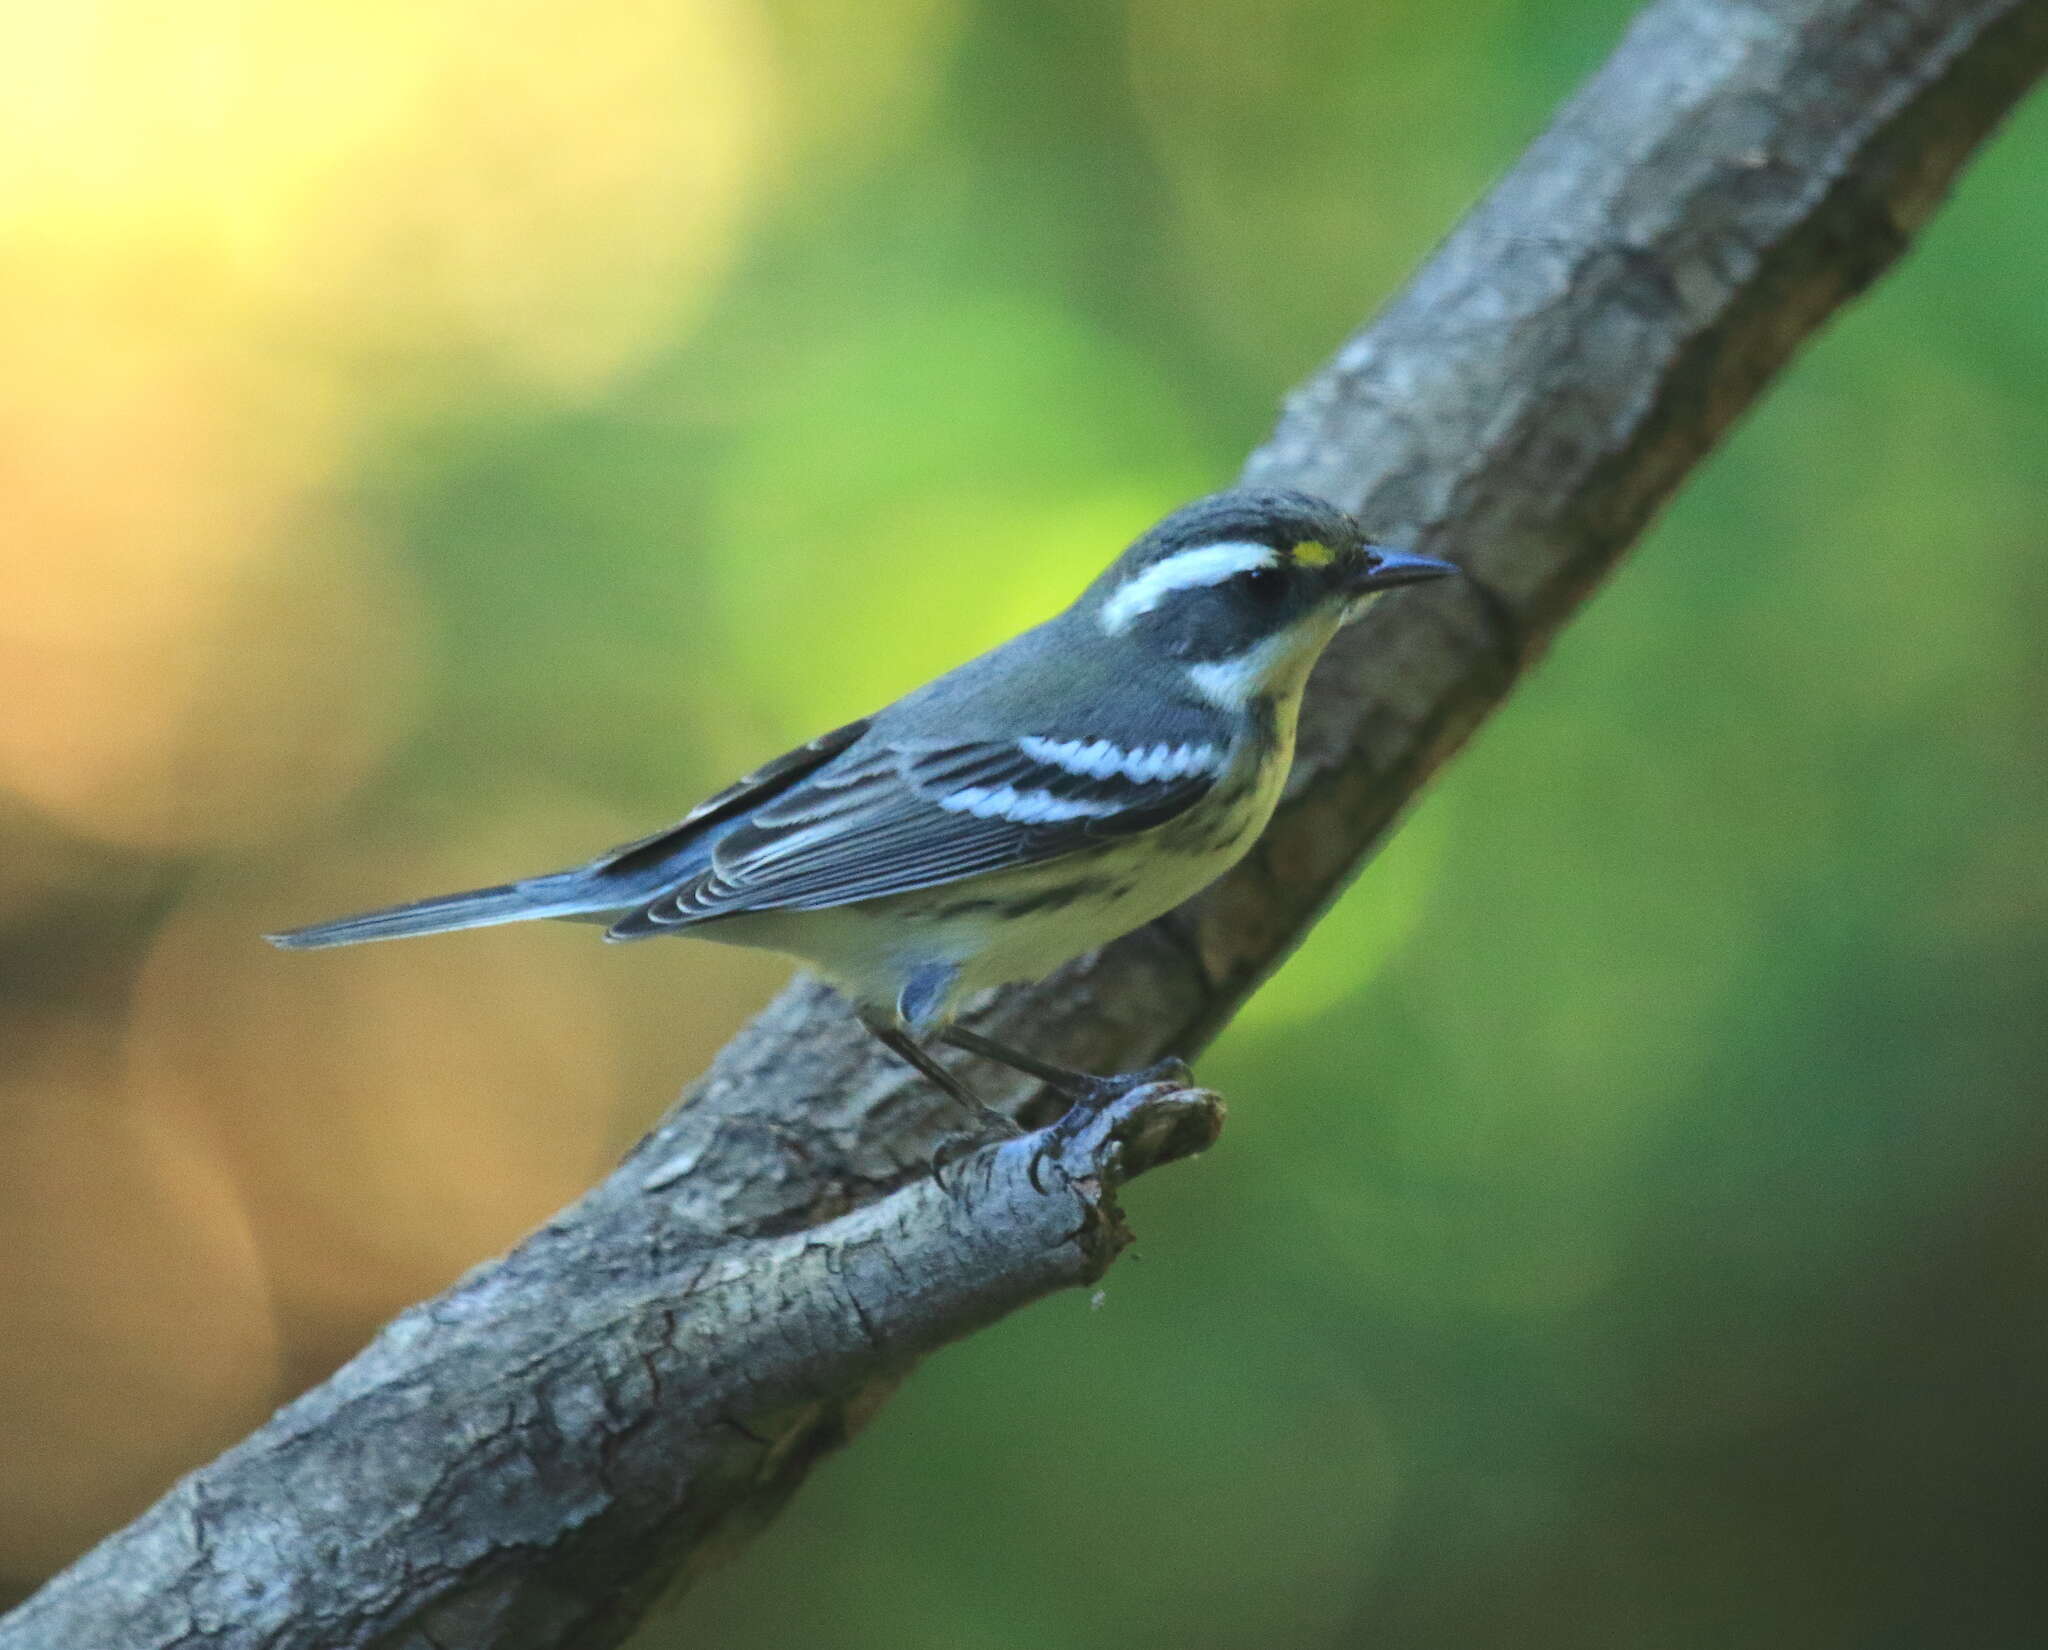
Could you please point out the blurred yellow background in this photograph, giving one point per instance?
(438, 441)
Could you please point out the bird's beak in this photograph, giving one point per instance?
(1383, 569)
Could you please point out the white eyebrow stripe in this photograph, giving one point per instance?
(1102, 760)
(1185, 570)
(1022, 807)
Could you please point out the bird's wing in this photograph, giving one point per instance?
(899, 817)
(646, 853)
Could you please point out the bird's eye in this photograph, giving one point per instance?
(1265, 583)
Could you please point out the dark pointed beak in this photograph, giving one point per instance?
(1386, 568)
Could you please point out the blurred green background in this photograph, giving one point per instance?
(436, 442)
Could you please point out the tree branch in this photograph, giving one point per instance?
(530, 1458)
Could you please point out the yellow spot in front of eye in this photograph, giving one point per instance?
(1310, 553)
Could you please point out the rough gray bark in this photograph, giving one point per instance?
(530, 1458)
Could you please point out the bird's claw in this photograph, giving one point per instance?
(949, 1151)
(1086, 1103)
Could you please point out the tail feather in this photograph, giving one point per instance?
(563, 895)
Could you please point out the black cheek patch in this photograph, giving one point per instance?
(1203, 625)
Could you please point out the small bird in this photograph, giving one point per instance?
(1030, 805)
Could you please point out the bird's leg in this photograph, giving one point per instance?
(906, 1048)
(1081, 1087)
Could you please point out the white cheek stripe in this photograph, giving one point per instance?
(1187, 570)
(1021, 807)
(1231, 684)
(1102, 760)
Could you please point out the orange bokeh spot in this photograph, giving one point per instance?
(394, 1113)
(136, 1333)
(226, 719)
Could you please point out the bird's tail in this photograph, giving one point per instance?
(565, 894)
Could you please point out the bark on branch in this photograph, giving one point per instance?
(530, 1458)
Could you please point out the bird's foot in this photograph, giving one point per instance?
(950, 1150)
(953, 1147)
(1087, 1095)
(1093, 1093)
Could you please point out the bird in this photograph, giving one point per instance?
(1035, 803)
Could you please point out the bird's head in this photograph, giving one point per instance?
(1243, 589)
